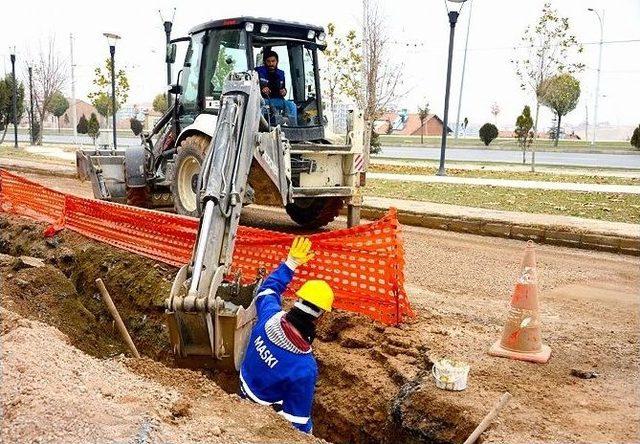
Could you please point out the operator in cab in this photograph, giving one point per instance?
(279, 369)
(272, 86)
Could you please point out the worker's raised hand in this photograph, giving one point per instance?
(300, 252)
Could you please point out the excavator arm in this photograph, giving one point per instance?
(208, 317)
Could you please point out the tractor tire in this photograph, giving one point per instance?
(139, 197)
(315, 212)
(187, 169)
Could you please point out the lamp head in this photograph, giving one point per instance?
(111, 38)
(590, 9)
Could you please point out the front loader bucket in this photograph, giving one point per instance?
(213, 337)
(105, 169)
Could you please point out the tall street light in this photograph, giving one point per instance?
(464, 66)
(595, 111)
(453, 18)
(112, 38)
(14, 98)
(33, 137)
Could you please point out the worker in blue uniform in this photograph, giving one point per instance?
(272, 86)
(279, 369)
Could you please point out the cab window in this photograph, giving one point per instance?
(226, 52)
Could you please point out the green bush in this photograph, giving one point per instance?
(488, 132)
(93, 127)
(374, 144)
(136, 126)
(83, 125)
(635, 138)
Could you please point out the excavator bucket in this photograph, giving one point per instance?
(212, 336)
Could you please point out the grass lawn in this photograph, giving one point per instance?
(13, 153)
(515, 175)
(507, 143)
(604, 206)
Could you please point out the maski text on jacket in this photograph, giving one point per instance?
(264, 352)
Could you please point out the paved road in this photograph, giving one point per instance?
(546, 158)
(83, 139)
(459, 154)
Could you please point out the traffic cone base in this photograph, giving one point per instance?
(540, 357)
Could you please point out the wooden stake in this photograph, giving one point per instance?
(486, 422)
(116, 317)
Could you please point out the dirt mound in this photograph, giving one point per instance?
(367, 372)
(52, 391)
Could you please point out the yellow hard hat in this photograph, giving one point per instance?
(317, 292)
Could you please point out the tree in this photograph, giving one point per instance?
(83, 125)
(523, 131)
(6, 104)
(423, 113)
(101, 95)
(102, 104)
(635, 138)
(547, 49)
(488, 132)
(561, 95)
(49, 76)
(378, 87)
(58, 106)
(93, 127)
(136, 126)
(160, 103)
(495, 110)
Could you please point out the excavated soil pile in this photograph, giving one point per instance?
(53, 392)
(369, 374)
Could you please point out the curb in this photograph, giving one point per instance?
(40, 171)
(554, 235)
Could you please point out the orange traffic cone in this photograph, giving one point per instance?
(521, 336)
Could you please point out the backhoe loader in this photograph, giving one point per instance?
(221, 147)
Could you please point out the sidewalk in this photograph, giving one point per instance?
(544, 228)
(529, 184)
(568, 231)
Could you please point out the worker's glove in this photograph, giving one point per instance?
(300, 252)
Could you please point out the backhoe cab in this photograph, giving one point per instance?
(310, 176)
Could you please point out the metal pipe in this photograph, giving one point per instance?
(200, 248)
(167, 32)
(595, 109)
(112, 51)
(453, 18)
(33, 136)
(14, 100)
(116, 317)
(74, 115)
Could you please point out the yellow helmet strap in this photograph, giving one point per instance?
(313, 311)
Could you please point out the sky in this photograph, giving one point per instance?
(418, 29)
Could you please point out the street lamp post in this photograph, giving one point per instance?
(14, 99)
(595, 110)
(33, 139)
(168, 24)
(112, 38)
(453, 18)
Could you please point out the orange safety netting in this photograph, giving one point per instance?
(364, 264)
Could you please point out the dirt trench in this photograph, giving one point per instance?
(373, 383)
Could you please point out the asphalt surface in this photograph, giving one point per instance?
(542, 158)
(458, 154)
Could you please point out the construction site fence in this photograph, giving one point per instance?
(364, 264)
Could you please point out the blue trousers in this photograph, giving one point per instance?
(288, 106)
